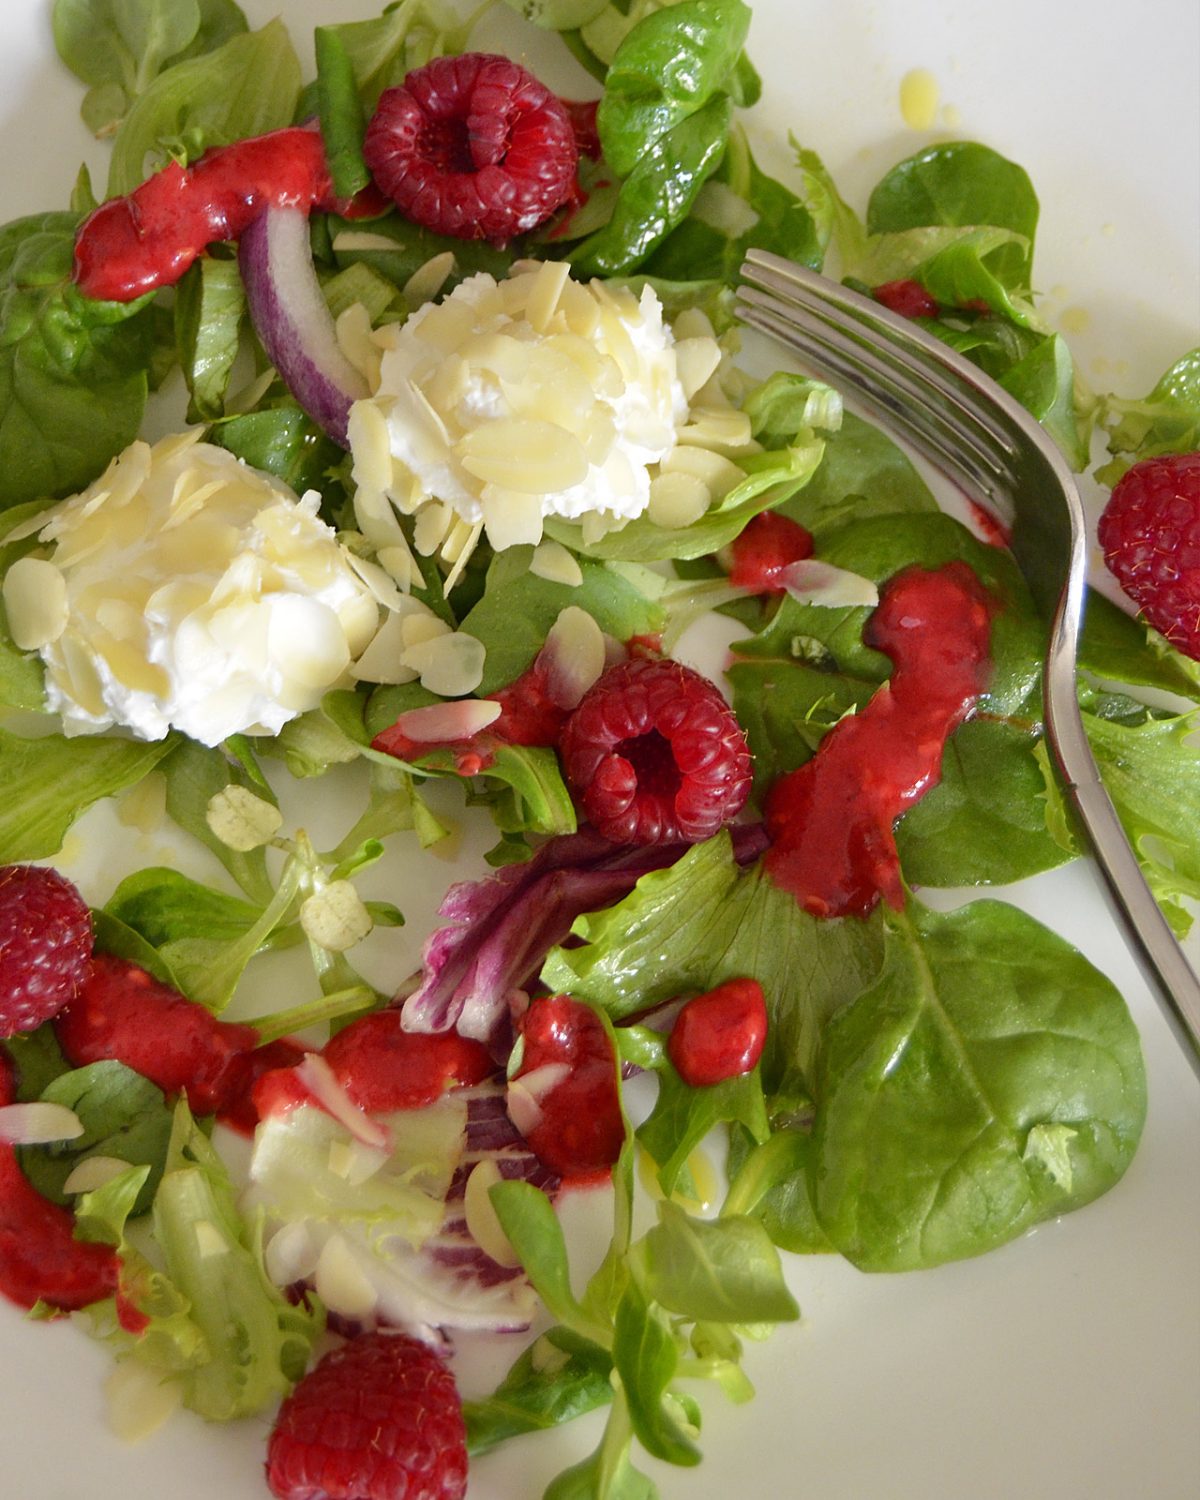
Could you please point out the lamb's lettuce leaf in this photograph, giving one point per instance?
(119, 48)
(247, 86)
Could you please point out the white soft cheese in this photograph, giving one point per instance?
(510, 402)
(196, 594)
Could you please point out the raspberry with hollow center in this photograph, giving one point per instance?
(474, 147)
(654, 754)
(1150, 533)
(45, 945)
(378, 1418)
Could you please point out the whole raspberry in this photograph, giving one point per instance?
(655, 755)
(473, 146)
(1150, 533)
(45, 944)
(379, 1418)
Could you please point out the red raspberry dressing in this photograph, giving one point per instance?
(764, 549)
(40, 1258)
(831, 821)
(125, 1014)
(719, 1035)
(581, 1129)
(148, 239)
(383, 1068)
(906, 297)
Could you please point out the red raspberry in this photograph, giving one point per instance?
(655, 754)
(379, 1418)
(908, 298)
(1150, 532)
(45, 944)
(473, 146)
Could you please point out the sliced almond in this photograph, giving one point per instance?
(553, 562)
(35, 600)
(573, 656)
(448, 723)
(676, 500)
(483, 1223)
(450, 665)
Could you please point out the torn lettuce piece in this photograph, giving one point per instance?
(213, 1319)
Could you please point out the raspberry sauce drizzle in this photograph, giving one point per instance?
(150, 237)
(122, 1012)
(767, 545)
(831, 821)
(579, 1130)
(40, 1258)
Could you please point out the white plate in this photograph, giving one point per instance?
(1067, 1364)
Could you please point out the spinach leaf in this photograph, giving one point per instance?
(46, 783)
(658, 193)
(665, 70)
(533, 1230)
(121, 46)
(518, 609)
(985, 823)
(988, 1078)
(862, 474)
(965, 185)
(123, 1116)
(1044, 383)
(73, 371)
(739, 208)
(879, 547)
(247, 86)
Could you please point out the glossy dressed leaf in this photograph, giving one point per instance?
(666, 69)
(1165, 421)
(284, 442)
(962, 184)
(984, 1037)
(985, 821)
(528, 1219)
(658, 193)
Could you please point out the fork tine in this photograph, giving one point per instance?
(900, 403)
(908, 348)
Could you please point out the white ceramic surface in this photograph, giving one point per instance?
(1068, 1364)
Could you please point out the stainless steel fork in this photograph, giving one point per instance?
(973, 431)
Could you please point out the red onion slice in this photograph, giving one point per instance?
(293, 322)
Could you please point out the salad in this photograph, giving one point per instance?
(528, 807)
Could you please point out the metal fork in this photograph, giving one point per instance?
(973, 431)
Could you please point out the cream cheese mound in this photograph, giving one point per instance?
(512, 401)
(189, 592)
